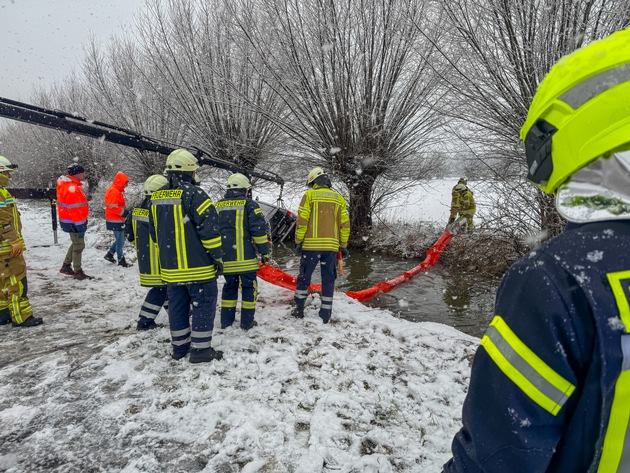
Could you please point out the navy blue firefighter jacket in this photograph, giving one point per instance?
(184, 224)
(243, 230)
(137, 232)
(550, 383)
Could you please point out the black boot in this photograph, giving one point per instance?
(298, 312)
(180, 351)
(145, 323)
(5, 317)
(80, 275)
(109, 256)
(204, 356)
(250, 326)
(67, 269)
(30, 322)
(123, 263)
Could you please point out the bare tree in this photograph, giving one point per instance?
(499, 52)
(355, 78)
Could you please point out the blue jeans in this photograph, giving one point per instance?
(119, 242)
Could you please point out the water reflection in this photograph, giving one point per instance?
(456, 299)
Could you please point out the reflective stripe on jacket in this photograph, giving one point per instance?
(137, 231)
(550, 384)
(243, 229)
(184, 224)
(115, 206)
(72, 205)
(323, 223)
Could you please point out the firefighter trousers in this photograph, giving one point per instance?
(229, 298)
(191, 312)
(328, 267)
(14, 300)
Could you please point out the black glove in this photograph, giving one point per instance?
(218, 266)
(264, 259)
(344, 252)
(130, 238)
(298, 247)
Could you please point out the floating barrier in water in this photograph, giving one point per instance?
(280, 278)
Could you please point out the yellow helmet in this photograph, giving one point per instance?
(314, 174)
(154, 182)
(181, 160)
(5, 165)
(238, 181)
(579, 112)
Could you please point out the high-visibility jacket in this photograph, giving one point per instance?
(72, 205)
(137, 232)
(243, 230)
(462, 201)
(184, 224)
(115, 206)
(323, 223)
(550, 383)
(10, 231)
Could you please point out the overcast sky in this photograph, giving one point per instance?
(41, 41)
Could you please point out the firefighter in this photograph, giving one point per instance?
(14, 304)
(184, 224)
(72, 207)
(115, 215)
(322, 230)
(137, 232)
(462, 203)
(550, 384)
(243, 231)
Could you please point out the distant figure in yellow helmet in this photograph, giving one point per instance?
(550, 384)
(462, 203)
(322, 230)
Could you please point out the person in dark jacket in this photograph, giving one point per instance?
(115, 215)
(184, 224)
(243, 231)
(550, 384)
(137, 232)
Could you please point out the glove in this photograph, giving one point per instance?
(344, 252)
(130, 238)
(298, 247)
(264, 259)
(17, 248)
(218, 266)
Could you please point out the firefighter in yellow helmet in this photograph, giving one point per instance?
(322, 229)
(550, 383)
(14, 304)
(462, 203)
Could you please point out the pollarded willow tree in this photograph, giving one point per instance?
(499, 52)
(219, 97)
(354, 74)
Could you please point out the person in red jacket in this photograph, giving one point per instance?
(73, 209)
(115, 215)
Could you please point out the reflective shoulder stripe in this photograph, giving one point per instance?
(619, 282)
(524, 368)
(205, 205)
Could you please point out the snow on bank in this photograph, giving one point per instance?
(86, 392)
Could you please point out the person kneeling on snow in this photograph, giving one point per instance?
(137, 232)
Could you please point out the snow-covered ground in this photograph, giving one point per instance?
(87, 392)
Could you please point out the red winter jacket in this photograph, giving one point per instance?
(72, 205)
(115, 206)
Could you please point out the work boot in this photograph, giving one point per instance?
(298, 312)
(109, 256)
(123, 263)
(206, 355)
(81, 275)
(145, 323)
(67, 269)
(30, 322)
(5, 317)
(250, 326)
(180, 352)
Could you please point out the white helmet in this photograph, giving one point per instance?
(314, 174)
(181, 160)
(5, 165)
(238, 181)
(154, 183)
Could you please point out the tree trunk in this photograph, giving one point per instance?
(360, 208)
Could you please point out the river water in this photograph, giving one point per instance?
(460, 300)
